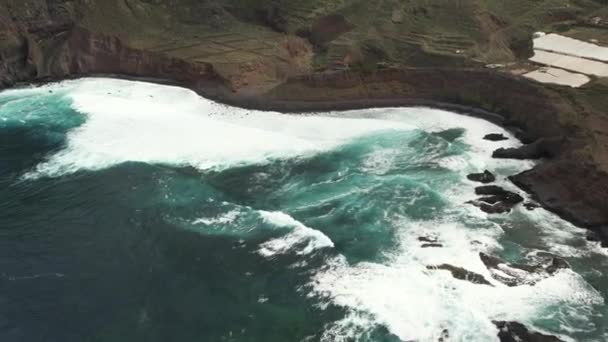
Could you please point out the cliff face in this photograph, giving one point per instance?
(53, 49)
(262, 54)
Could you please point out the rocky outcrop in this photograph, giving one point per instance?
(517, 332)
(599, 234)
(542, 148)
(496, 200)
(462, 274)
(495, 137)
(574, 189)
(484, 177)
(431, 245)
(522, 274)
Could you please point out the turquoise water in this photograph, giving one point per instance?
(138, 212)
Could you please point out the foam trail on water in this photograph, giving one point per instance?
(300, 234)
(418, 304)
(142, 122)
(226, 218)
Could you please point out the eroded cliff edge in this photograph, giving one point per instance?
(44, 41)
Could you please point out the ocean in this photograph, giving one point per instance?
(132, 211)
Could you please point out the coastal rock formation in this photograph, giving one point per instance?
(520, 274)
(495, 137)
(598, 234)
(496, 200)
(250, 56)
(484, 177)
(574, 189)
(542, 148)
(431, 245)
(462, 274)
(517, 332)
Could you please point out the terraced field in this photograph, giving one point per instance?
(240, 35)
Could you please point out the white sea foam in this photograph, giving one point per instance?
(135, 121)
(225, 218)
(415, 303)
(312, 239)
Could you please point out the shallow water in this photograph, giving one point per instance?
(139, 212)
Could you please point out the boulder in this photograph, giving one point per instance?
(432, 245)
(517, 332)
(462, 274)
(484, 177)
(495, 200)
(495, 137)
(512, 274)
(427, 239)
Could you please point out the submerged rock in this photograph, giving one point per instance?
(445, 336)
(496, 200)
(462, 274)
(427, 239)
(484, 177)
(495, 137)
(522, 274)
(432, 245)
(517, 332)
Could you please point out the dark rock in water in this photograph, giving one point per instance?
(427, 239)
(484, 177)
(502, 194)
(542, 148)
(517, 332)
(602, 232)
(432, 245)
(598, 235)
(557, 264)
(462, 274)
(493, 262)
(490, 190)
(496, 200)
(495, 137)
(445, 336)
(497, 208)
(520, 274)
(490, 199)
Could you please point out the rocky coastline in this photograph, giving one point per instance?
(566, 182)
(548, 120)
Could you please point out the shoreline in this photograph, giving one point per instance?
(291, 107)
(294, 106)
